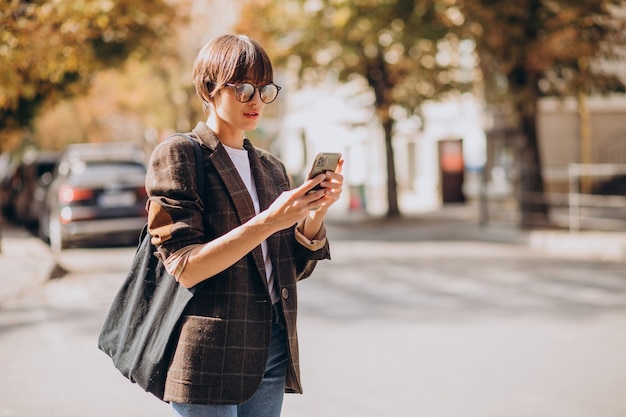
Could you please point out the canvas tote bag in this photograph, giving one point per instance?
(141, 328)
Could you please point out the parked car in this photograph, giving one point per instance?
(32, 178)
(96, 195)
(8, 173)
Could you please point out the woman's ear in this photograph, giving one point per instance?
(209, 91)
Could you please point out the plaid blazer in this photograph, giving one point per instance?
(224, 337)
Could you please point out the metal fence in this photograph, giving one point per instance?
(574, 196)
(596, 210)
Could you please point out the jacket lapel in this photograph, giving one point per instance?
(226, 170)
(268, 192)
(233, 183)
(265, 186)
(235, 188)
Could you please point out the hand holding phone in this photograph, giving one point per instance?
(324, 161)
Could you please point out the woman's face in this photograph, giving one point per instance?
(238, 115)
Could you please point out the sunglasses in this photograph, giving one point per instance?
(245, 91)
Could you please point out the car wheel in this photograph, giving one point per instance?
(55, 235)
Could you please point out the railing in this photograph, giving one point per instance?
(569, 206)
(606, 211)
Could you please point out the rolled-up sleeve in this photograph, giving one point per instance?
(174, 205)
(315, 244)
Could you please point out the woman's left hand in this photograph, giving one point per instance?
(333, 186)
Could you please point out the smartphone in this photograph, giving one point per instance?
(324, 161)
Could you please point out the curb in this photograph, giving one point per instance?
(585, 245)
(25, 261)
(597, 246)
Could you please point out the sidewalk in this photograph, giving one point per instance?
(25, 262)
(461, 223)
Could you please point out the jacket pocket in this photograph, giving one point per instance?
(199, 356)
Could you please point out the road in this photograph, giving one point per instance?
(387, 328)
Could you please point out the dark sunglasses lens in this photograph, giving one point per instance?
(269, 93)
(245, 92)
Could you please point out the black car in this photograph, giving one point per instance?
(97, 194)
(30, 182)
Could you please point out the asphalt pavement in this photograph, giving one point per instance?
(430, 315)
(26, 261)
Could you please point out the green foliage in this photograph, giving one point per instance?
(404, 49)
(547, 47)
(49, 50)
(530, 49)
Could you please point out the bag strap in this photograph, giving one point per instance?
(199, 166)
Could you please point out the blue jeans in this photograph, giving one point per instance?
(267, 401)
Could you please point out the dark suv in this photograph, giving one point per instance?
(96, 195)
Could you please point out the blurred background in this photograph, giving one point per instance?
(517, 109)
(478, 249)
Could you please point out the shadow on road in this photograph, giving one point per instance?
(457, 281)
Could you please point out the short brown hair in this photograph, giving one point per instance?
(229, 59)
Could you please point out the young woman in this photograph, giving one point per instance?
(243, 248)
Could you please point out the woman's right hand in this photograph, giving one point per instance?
(292, 206)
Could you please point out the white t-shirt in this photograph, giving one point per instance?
(242, 163)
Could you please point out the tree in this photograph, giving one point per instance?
(50, 49)
(530, 49)
(135, 102)
(404, 49)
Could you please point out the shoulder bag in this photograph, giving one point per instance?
(140, 330)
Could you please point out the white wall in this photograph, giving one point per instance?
(335, 117)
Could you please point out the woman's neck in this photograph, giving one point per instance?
(226, 134)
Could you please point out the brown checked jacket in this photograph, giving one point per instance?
(224, 337)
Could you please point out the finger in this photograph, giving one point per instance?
(334, 183)
(339, 166)
(299, 199)
(337, 172)
(309, 184)
(314, 196)
(333, 177)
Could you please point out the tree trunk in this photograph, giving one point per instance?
(584, 117)
(380, 83)
(533, 207)
(393, 209)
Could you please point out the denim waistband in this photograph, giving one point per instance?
(277, 314)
